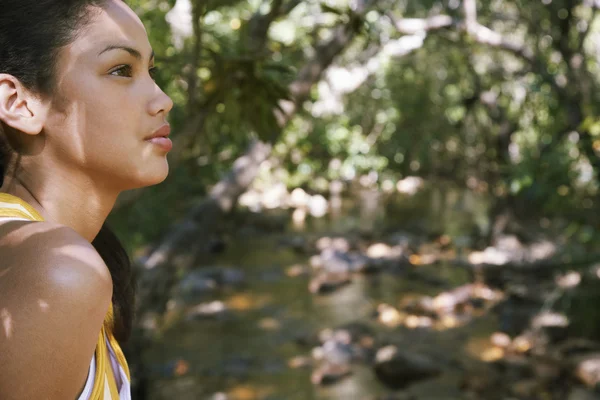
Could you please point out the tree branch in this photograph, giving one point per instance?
(412, 26)
(476, 31)
(259, 24)
(289, 6)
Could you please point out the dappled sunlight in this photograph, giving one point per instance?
(248, 301)
(568, 280)
(248, 392)
(180, 19)
(7, 322)
(44, 306)
(270, 324)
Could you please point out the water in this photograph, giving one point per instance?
(245, 353)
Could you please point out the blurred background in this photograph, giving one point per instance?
(371, 199)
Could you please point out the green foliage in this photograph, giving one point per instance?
(454, 108)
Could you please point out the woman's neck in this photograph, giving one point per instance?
(81, 207)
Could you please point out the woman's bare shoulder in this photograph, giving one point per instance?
(54, 293)
(34, 250)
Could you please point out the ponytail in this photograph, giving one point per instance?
(116, 259)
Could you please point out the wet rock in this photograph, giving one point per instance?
(296, 270)
(490, 255)
(337, 352)
(214, 309)
(506, 248)
(522, 344)
(205, 280)
(328, 374)
(423, 258)
(541, 250)
(446, 302)
(334, 334)
(509, 249)
(385, 251)
(552, 324)
(586, 368)
(500, 339)
(335, 243)
(300, 362)
(398, 369)
(350, 342)
(337, 261)
(357, 331)
(315, 262)
(414, 322)
(337, 347)
(389, 315)
(328, 282)
(194, 285)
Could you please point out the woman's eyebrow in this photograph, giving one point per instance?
(135, 53)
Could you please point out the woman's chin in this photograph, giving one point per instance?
(151, 177)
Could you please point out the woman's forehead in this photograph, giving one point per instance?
(114, 25)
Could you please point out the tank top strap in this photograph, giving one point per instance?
(13, 206)
(109, 329)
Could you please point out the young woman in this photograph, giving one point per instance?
(81, 120)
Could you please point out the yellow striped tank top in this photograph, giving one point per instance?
(108, 363)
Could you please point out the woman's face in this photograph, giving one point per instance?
(107, 104)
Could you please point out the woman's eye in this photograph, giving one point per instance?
(124, 70)
(153, 72)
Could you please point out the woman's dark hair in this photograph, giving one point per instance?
(32, 33)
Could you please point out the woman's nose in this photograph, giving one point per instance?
(161, 103)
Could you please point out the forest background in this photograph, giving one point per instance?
(289, 109)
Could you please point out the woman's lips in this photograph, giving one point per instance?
(160, 138)
(163, 142)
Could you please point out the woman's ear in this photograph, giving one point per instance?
(21, 109)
